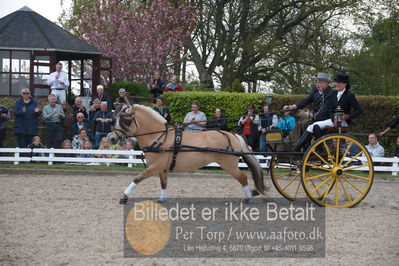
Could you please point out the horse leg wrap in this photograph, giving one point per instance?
(247, 192)
(164, 195)
(130, 189)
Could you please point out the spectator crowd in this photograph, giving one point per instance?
(90, 126)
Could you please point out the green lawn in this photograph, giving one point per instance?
(140, 168)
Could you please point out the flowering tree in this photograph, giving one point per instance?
(140, 38)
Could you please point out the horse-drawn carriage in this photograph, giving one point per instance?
(335, 170)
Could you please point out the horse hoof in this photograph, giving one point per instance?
(246, 200)
(123, 200)
(255, 193)
(161, 200)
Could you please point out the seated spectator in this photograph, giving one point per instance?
(374, 148)
(79, 124)
(287, 122)
(105, 144)
(4, 117)
(86, 146)
(77, 141)
(120, 100)
(104, 121)
(156, 86)
(354, 150)
(94, 108)
(249, 126)
(219, 122)
(36, 144)
(174, 85)
(103, 97)
(161, 109)
(66, 144)
(78, 107)
(195, 120)
(396, 150)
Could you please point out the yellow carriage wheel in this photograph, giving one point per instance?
(285, 172)
(337, 171)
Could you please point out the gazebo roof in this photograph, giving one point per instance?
(27, 30)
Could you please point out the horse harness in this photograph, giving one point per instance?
(178, 147)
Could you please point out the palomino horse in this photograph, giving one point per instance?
(151, 131)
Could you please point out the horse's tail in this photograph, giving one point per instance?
(254, 166)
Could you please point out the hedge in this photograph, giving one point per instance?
(377, 110)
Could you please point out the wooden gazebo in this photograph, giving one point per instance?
(31, 45)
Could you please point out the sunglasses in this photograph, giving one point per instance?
(26, 93)
(80, 116)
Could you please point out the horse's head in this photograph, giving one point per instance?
(125, 126)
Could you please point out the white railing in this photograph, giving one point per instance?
(132, 157)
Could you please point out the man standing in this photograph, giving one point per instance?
(195, 120)
(4, 117)
(104, 121)
(58, 82)
(320, 97)
(53, 114)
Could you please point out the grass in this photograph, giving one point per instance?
(140, 168)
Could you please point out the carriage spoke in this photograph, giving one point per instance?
(297, 189)
(321, 158)
(337, 152)
(355, 167)
(320, 185)
(328, 152)
(348, 148)
(280, 176)
(357, 176)
(289, 183)
(318, 167)
(353, 185)
(317, 176)
(346, 192)
(336, 194)
(318, 193)
(328, 189)
(353, 158)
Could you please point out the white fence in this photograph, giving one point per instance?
(131, 158)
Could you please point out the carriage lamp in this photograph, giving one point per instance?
(339, 117)
(269, 97)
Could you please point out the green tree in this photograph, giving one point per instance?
(376, 65)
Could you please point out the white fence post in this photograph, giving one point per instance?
(395, 165)
(129, 164)
(51, 155)
(16, 155)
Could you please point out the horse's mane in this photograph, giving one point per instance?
(151, 111)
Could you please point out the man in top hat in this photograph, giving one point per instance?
(320, 97)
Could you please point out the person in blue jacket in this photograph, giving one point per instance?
(286, 123)
(26, 112)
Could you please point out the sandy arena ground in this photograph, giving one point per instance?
(76, 220)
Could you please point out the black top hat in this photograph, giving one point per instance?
(342, 78)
